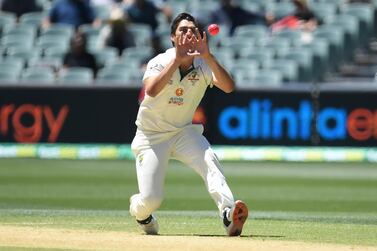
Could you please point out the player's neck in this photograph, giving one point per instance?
(186, 65)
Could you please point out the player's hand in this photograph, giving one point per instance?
(200, 45)
(184, 47)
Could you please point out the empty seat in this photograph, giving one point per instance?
(22, 29)
(49, 40)
(8, 77)
(320, 48)
(251, 32)
(56, 51)
(33, 18)
(49, 62)
(14, 65)
(335, 37)
(304, 58)
(325, 11)
(111, 77)
(89, 29)
(288, 68)
(242, 66)
(107, 55)
(77, 75)
(117, 67)
(177, 6)
(7, 20)
(294, 36)
(141, 32)
(129, 77)
(224, 55)
(137, 54)
(59, 29)
(236, 45)
(365, 15)
(102, 11)
(350, 25)
(279, 45)
(268, 78)
(282, 9)
(23, 53)
(38, 76)
(3, 50)
(17, 40)
(264, 57)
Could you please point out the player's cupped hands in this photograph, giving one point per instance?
(191, 45)
(200, 45)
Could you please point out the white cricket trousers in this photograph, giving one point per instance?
(188, 146)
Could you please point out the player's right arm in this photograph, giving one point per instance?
(154, 84)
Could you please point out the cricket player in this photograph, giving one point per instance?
(175, 82)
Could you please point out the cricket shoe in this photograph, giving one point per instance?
(149, 225)
(234, 218)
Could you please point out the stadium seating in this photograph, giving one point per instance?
(76, 75)
(267, 77)
(11, 65)
(37, 75)
(8, 77)
(142, 33)
(7, 20)
(320, 50)
(107, 55)
(335, 37)
(304, 57)
(59, 30)
(127, 77)
(252, 48)
(350, 25)
(325, 11)
(289, 69)
(364, 13)
(138, 54)
(263, 57)
(244, 67)
(32, 18)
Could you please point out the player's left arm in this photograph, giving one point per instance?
(221, 78)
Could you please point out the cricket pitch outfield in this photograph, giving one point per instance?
(83, 205)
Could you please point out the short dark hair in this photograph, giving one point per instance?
(179, 18)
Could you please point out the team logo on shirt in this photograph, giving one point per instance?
(193, 77)
(179, 92)
(177, 100)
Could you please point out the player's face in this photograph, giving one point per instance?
(186, 27)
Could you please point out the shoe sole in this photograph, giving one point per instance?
(239, 217)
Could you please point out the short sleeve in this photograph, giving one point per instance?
(208, 75)
(154, 67)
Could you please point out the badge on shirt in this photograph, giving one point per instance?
(158, 67)
(193, 77)
(178, 99)
(179, 92)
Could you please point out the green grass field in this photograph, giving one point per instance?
(313, 202)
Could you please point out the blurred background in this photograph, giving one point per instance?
(71, 70)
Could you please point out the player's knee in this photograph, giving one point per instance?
(214, 173)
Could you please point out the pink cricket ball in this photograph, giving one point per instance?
(213, 29)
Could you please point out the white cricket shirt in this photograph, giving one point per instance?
(173, 108)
